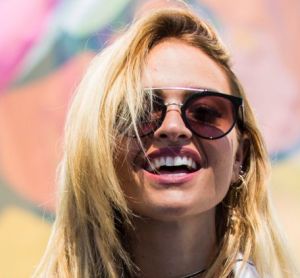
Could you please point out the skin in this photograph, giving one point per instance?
(175, 225)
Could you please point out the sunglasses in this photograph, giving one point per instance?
(207, 113)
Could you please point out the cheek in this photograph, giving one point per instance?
(128, 182)
(221, 157)
(125, 168)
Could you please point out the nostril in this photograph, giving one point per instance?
(172, 135)
(163, 135)
(182, 136)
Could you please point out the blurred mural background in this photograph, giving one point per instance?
(46, 45)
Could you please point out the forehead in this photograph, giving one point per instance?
(177, 64)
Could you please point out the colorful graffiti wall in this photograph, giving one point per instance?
(46, 45)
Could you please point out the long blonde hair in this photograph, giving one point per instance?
(87, 238)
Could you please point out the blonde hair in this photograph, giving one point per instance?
(87, 239)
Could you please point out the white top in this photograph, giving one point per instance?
(247, 271)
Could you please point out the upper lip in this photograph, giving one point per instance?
(173, 152)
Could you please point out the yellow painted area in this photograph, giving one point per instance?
(286, 175)
(285, 186)
(23, 238)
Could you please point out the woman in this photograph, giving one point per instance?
(164, 171)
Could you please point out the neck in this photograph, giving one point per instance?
(174, 248)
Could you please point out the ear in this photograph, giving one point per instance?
(240, 155)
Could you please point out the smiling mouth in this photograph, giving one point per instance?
(165, 165)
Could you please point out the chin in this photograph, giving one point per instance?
(171, 206)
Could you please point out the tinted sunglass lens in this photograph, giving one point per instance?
(210, 116)
(151, 117)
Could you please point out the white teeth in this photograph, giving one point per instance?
(189, 162)
(172, 161)
(184, 160)
(162, 161)
(177, 161)
(169, 161)
(156, 163)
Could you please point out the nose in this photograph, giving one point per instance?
(173, 127)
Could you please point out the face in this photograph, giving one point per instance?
(209, 165)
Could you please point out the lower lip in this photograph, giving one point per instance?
(170, 179)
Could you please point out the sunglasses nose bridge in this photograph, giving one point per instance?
(169, 108)
(167, 104)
